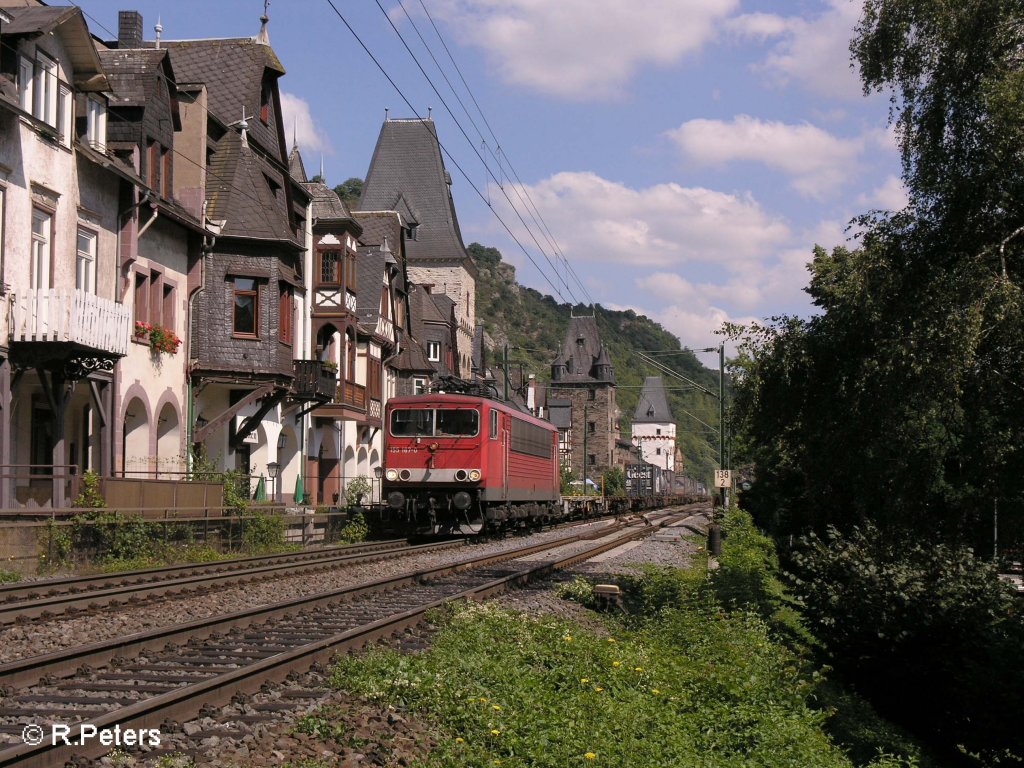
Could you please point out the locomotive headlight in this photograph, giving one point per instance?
(392, 475)
(474, 474)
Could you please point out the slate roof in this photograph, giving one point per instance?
(412, 359)
(582, 352)
(652, 407)
(232, 70)
(560, 412)
(295, 166)
(130, 74)
(381, 230)
(238, 192)
(326, 203)
(407, 175)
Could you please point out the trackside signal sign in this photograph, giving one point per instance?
(723, 478)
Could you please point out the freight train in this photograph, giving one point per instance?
(465, 464)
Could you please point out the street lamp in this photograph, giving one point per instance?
(273, 468)
(378, 472)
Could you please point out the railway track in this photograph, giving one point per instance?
(44, 600)
(150, 679)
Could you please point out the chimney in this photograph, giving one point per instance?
(129, 29)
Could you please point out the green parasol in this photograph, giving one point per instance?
(261, 490)
(300, 490)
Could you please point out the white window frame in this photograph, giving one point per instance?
(434, 351)
(65, 113)
(419, 386)
(26, 71)
(85, 260)
(42, 248)
(44, 89)
(40, 91)
(96, 123)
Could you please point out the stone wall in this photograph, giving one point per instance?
(602, 412)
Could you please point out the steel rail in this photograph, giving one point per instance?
(34, 590)
(49, 607)
(184, 702)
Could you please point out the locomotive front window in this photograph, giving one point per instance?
(430, 422)
(462, 422)
(412, 422)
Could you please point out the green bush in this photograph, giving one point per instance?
(614, 482)
(357, 489)
(262, 532)
(9, 577)
(925, 629)
(355, 530)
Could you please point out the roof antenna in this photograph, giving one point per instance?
(264, 36)
(243, 126)
(386, 111)
(159, 28)
(430, 111)
(323, 179)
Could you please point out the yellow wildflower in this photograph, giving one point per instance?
(496, 707)
(655, 691)
(638, 669)
(459, 740)
(567, 638)
(584, 680)
(616, 663)
(495, 732)
(590, 755)
(483, 699)
(598, 688)
(611, 639)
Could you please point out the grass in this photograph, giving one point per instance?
(705, 670)
(9, 577)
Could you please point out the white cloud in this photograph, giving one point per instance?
(297, 120)
(817, 161)
(582, 49)
(891, 195)
(596, 220)
(812, 52)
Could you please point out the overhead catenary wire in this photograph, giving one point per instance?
(535, 212)
(471, 143)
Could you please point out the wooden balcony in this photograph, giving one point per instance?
(314, 381)
(351, 394)
(349, 402)
(72, 317)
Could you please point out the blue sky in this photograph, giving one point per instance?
(685, 155)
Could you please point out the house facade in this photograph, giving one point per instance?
(63, 329)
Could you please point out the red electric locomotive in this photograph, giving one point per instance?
(462, 464)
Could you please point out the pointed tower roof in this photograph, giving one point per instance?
(652, 407)
(583, 354)
(407, 174)
(295, 167)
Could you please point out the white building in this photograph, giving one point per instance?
(654, 430)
